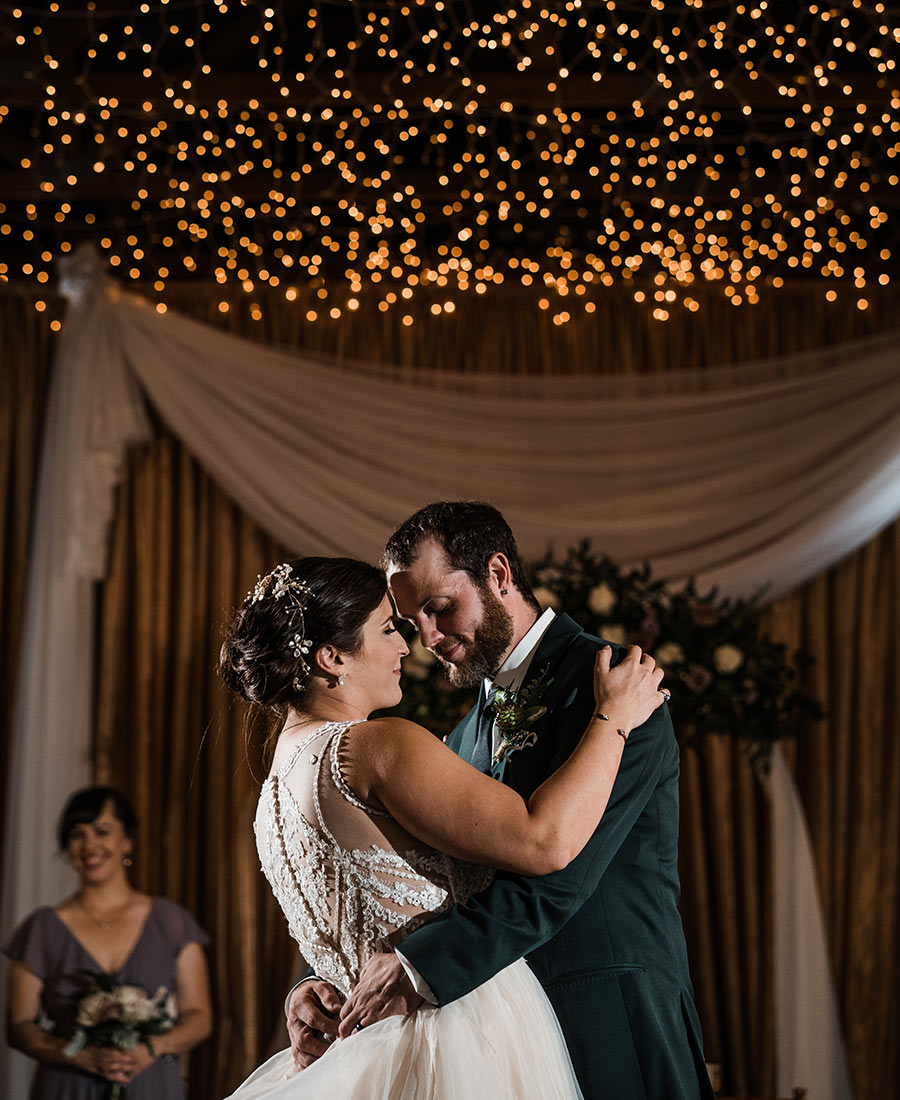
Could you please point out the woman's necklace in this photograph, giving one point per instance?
(112, 918)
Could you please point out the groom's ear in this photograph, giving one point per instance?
(499, 573)
(329, 659)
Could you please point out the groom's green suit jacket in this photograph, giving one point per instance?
(603, 936)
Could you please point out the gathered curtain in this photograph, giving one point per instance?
(182, 553)
(27, 343)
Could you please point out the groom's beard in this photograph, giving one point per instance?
(489, 644)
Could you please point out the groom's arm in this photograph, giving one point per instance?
(517, 914)
(470, 943)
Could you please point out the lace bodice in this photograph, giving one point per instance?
(349, 879)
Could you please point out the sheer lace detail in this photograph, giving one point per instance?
(349, 879)
(341, 783)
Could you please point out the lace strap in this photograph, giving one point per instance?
(292, 759)
(338, 779)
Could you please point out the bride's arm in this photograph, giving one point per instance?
(445, 802)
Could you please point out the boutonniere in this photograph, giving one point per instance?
(516, 711)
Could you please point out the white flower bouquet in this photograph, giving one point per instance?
(120, 1016)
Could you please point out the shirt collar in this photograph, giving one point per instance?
(515, 668)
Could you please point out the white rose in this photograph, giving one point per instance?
(135, 1004)
(669, 653)
(546, 598)
(613, 632)
(728, 659)
(602, 599)
(94, 1008)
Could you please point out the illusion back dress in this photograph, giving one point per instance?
(351, 882)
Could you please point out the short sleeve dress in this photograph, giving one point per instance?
(46, 946)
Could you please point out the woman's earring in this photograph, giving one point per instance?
(127, 861)
(504, 591)
(341, 679)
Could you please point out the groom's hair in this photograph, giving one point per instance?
(470, 533)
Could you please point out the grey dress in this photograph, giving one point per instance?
(46, 946)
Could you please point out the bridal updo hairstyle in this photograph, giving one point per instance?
(256, 659)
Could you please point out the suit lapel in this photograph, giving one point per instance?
(525, 768)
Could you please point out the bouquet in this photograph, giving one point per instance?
(119, 1016)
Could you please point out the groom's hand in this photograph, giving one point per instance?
(383, 989)
(312, 1020)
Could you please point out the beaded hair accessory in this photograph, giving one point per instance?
(279, 584)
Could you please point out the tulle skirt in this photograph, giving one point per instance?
(501, 1041)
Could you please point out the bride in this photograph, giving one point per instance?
(367, 827)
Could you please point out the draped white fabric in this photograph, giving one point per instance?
(754, 480)
(750, 477)
(91, 419)
(807, 1029)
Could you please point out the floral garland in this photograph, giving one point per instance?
(725, 677)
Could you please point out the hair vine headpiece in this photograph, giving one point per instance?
(281, 584)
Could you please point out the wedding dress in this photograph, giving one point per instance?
(352, 882)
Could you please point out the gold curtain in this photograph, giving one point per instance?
(24, 371)
(182, 554)
(848, 773)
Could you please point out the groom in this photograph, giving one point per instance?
(604, 935)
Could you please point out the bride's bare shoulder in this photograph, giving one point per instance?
(392, 727)
(381, 750)
(391, 738)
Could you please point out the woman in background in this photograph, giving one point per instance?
(105, 926)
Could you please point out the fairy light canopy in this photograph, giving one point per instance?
(394, 149)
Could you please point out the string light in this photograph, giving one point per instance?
(393, 149)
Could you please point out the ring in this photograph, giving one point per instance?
(358, 1027)
(665, 693)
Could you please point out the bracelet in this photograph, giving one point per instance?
(606, 718)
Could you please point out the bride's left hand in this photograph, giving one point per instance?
(383, 989)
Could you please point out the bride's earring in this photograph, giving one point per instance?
(339, 680)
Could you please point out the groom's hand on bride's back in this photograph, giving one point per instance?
(313, 1018)
(384, 989)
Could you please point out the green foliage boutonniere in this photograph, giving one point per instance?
(516, 712)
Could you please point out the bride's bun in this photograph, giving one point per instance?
(256, 660)
(250, 669)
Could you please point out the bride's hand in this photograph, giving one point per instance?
(629, 693)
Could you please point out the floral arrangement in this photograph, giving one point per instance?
(724, 676)
(117, 1016)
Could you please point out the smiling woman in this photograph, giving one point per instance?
(126, 939)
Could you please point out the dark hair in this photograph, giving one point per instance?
(470, 532)
(87, 805)
(256, 660)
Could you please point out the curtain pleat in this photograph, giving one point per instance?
(848, 773)
(168, 734)
(182, 555)
(24, 374)
(727, 912)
